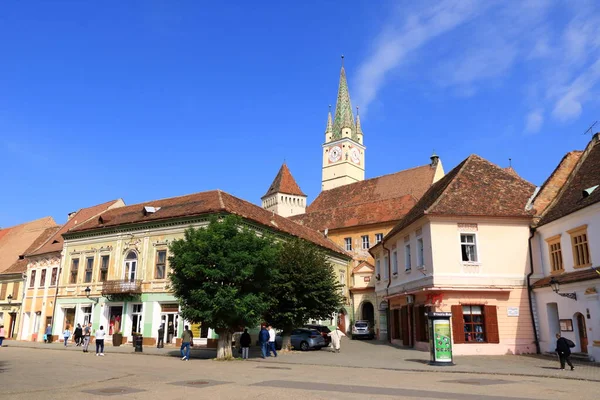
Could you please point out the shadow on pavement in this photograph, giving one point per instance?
(425, 362)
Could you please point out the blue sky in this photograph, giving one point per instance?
(143, 100)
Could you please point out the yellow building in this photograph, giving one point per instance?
(14, 243)
(43, 270)
(115, 267)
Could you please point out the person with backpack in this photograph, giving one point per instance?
(563, 348)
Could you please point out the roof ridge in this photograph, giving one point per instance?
(220, 195)
(29, 222)
(353, 205)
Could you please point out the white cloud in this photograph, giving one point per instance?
(534, 121)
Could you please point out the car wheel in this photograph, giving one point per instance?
(304, 346)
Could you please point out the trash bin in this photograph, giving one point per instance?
(440, 338)
(138, 341)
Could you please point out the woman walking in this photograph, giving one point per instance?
(2, 334)
(66, 335)
(100, 333)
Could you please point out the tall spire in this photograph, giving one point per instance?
(329, 128)
(344, 118)
(358, 130)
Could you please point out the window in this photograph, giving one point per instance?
(348, 242)
(365, 242)
(32, 279)
(468, 247)
(3, 287)
(43, 278)
(104, 268)
(54, 276)
(395, 262)
(87, 315)
(377, 269)
(386, 270)
(420, 255)
(89, 269)
(473, 321)
(407, 260)
(74, 269)
(556, 262)
(131, 266)
(161, 263)
(136, 327)
(579, 243)
(378, 237)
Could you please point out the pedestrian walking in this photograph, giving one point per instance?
(336, 338)
(100, 333)
(271, 347)
(66, 335)
(563, 348)
(170, 332)
(48, 334)
(78, 335)
(245, 341)
(161, 337)
(87, 332)
(187, 338)
(2, 334)
(263, 340)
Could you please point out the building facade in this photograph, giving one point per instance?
(566, 253)
(115, 267)
(449, 254)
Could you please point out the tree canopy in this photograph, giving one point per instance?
(221, 275)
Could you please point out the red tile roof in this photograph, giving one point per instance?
(585, 175)
(569, 277)
(475, 187)
(21, 264)
(204, 203)
(284, 182)
(55, 243)
(18, 239)
(388, 210)
(413, 181)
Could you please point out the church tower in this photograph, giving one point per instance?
(284, 196)
(343, 150)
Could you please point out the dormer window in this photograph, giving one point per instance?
(150, 210)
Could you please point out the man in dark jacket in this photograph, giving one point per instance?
(263, 339)
(564, 352)
(245, 341)
(161, 337)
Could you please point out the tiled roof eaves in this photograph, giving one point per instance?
(569, 277)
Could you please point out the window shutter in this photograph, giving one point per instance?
(15, 292)
(3, 291)
(404, 325)
(418, 316)
(458, 324)
(490, 316)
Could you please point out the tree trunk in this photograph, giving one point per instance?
(286, 339)
(224, 344)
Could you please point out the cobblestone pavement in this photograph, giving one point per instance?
(27, 373)
(378, 355)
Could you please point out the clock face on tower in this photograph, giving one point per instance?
(335, 153)
(355, 155)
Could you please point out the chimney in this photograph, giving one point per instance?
(71, 214)
(434, 160)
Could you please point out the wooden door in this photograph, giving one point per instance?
(404, 325)
(583, 341)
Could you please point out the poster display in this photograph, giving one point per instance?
(442, 340)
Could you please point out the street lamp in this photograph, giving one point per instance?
(87, 294)
(9, 298)
(555, 285)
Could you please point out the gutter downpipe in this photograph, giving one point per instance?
(56, 292)
(387, 292)
(530, 292)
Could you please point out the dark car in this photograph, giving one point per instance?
(323, 330)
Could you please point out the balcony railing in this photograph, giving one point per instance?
(122, 286)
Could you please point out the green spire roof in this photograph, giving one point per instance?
(358, 130)
(329, 128)
(343, 109)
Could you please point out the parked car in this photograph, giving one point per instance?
(363, 329)
(323, 330)
(303, 339)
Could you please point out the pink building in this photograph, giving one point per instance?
(463, 249)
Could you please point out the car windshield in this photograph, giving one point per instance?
(361, 324)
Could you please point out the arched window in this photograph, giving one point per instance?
(130, 266)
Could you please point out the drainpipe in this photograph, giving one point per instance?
(387, 292)
(530, 292)
(56, 292)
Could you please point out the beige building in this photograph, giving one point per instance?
(14, 243)
(115, 266)
(449, 254)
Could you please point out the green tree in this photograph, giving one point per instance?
(220, 274)
(303, 287)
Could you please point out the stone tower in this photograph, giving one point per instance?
(343, 150)
(284, 196)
